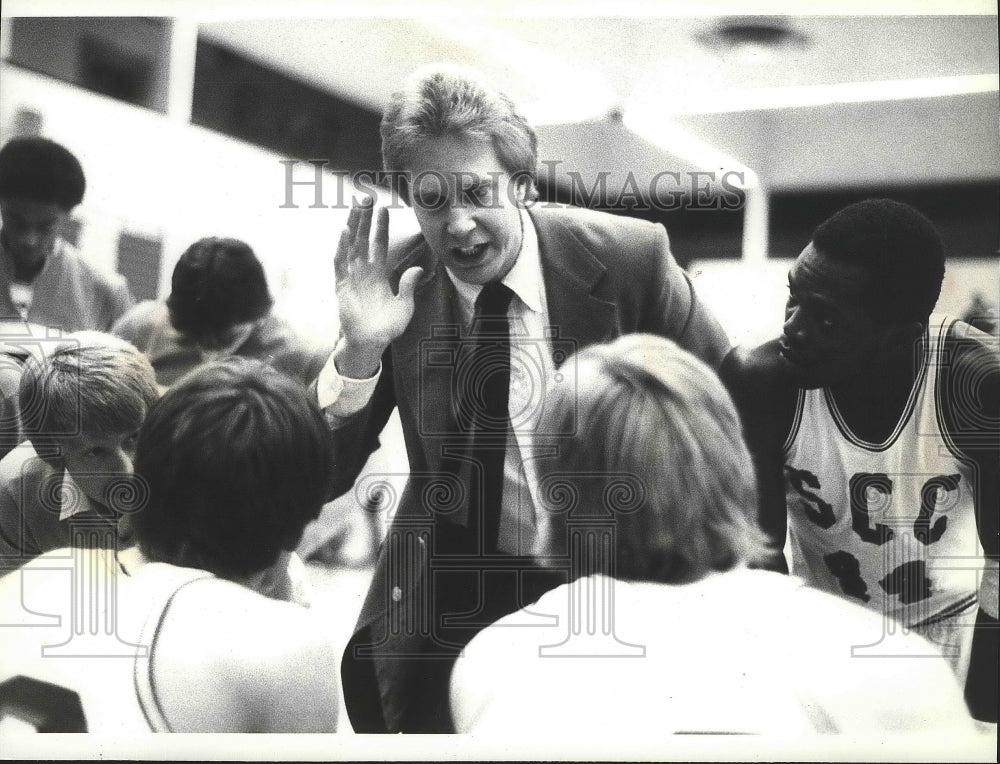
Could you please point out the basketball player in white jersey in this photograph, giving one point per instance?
(649, 505)
(170, 635)
(876, 434)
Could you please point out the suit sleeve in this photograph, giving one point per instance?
(356, 437)
(680, 314)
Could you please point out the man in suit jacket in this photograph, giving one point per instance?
(457, 555)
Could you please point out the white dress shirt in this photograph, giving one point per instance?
(532, 373)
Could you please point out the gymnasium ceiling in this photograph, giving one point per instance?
(646, 87)
(841, 102)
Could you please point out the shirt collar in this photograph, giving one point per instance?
(72, 500)
(525, 277)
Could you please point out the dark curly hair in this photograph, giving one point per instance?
(217, 283)
(237, 458)
(42, 171)
(898, 246)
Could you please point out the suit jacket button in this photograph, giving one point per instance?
(397, 594)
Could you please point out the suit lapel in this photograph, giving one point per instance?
(571, 272)
(421, 353)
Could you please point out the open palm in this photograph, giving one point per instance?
(371, 314)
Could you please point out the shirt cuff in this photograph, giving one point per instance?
(341, 396)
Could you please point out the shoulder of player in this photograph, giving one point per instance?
(757, 377)
(141, 322)
(261, 655)
(247, 620)
(146, 312)
(880, 692)
(502, 657)
(22, 466)
(76, 267)
(970, 363)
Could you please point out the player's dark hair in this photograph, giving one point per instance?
(216, 283)
(42, 171)
(898, 246)
(237, 459)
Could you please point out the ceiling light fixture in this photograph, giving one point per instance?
(752, 39)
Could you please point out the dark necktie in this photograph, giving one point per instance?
(483, 397)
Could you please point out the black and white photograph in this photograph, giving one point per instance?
(504, 382)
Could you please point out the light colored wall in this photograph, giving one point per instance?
(161, 178)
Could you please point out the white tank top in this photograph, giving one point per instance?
(77, 636)
(891, 525)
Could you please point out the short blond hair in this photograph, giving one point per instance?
(656, 448)
(451, 100)
(90, 382)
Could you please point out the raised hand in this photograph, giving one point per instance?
(371, 314)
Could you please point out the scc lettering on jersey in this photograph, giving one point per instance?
(868, 491)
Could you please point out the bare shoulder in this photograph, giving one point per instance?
(973, 349)
(969, 376)
(760, 365)
(254, 664)
(758, 380)
(865, 678)
(140, 318)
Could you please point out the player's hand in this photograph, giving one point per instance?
(371, 314)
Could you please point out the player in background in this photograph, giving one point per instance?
(81, 404)
(44, 280)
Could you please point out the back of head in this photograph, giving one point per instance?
(448, 100)
(236, 458)
(90, 383)
(41, 170)
(217, 283)
(657, 429)
(898, 246)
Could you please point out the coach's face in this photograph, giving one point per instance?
(467, 206)
(830, 333)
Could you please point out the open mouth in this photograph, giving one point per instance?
(469, 255)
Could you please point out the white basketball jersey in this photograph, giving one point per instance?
(891, 525)
(76, 638)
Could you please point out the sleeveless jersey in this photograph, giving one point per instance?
(891, 525)
(77, 636)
